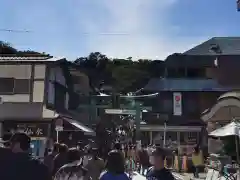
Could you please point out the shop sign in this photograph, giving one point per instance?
(59, 124)
(33, 130)
(177, 104)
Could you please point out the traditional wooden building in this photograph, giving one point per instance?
(192, 83)
(36, 90)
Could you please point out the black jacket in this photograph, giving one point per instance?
(23, 166)
(5, 159)
(163, 174)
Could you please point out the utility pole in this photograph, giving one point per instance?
(138, 120)
(115, 105)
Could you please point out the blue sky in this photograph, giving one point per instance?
(117, 28)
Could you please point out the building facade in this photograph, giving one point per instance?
(192, 83)
(36, 90)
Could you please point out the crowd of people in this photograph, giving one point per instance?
(80, 162)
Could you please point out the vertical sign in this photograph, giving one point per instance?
(177, 104)
(59, 124)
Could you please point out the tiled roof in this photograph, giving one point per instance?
(157, 85)
(25, 59)
(227, 46)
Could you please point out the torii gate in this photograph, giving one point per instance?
(135, 109)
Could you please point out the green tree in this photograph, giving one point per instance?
(6, 48)
(123, 75)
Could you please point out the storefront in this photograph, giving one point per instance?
(71, 131)
(38, 131)
(183, 138)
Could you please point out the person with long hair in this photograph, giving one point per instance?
(115, 167)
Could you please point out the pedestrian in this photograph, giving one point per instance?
(95, 164)
(80, 145)
(5, 154)
(158, 171)
(133, 153)
(197, 159)
(86, 155)
(23, 165)
(143, 160)
(118, 147)
(115, 167)
(61, 158)
(49, 159)
(73, 169)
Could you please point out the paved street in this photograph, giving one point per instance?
(188, 176)
(178, 176)
(138, 176)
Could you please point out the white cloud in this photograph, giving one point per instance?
(136, 28)
(117, 28)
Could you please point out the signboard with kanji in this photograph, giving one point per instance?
(33, 130)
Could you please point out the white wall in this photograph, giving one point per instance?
(15, 98)
(20, 71)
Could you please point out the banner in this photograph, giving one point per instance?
(177, 104)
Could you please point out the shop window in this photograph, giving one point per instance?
(172, 73)
(14, 86)
(22, 86)
(60, 96)
(196, 73)
(6, 85)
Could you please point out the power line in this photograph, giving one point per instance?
(83, 33)
(15, 31)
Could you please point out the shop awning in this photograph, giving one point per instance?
(86, 130)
